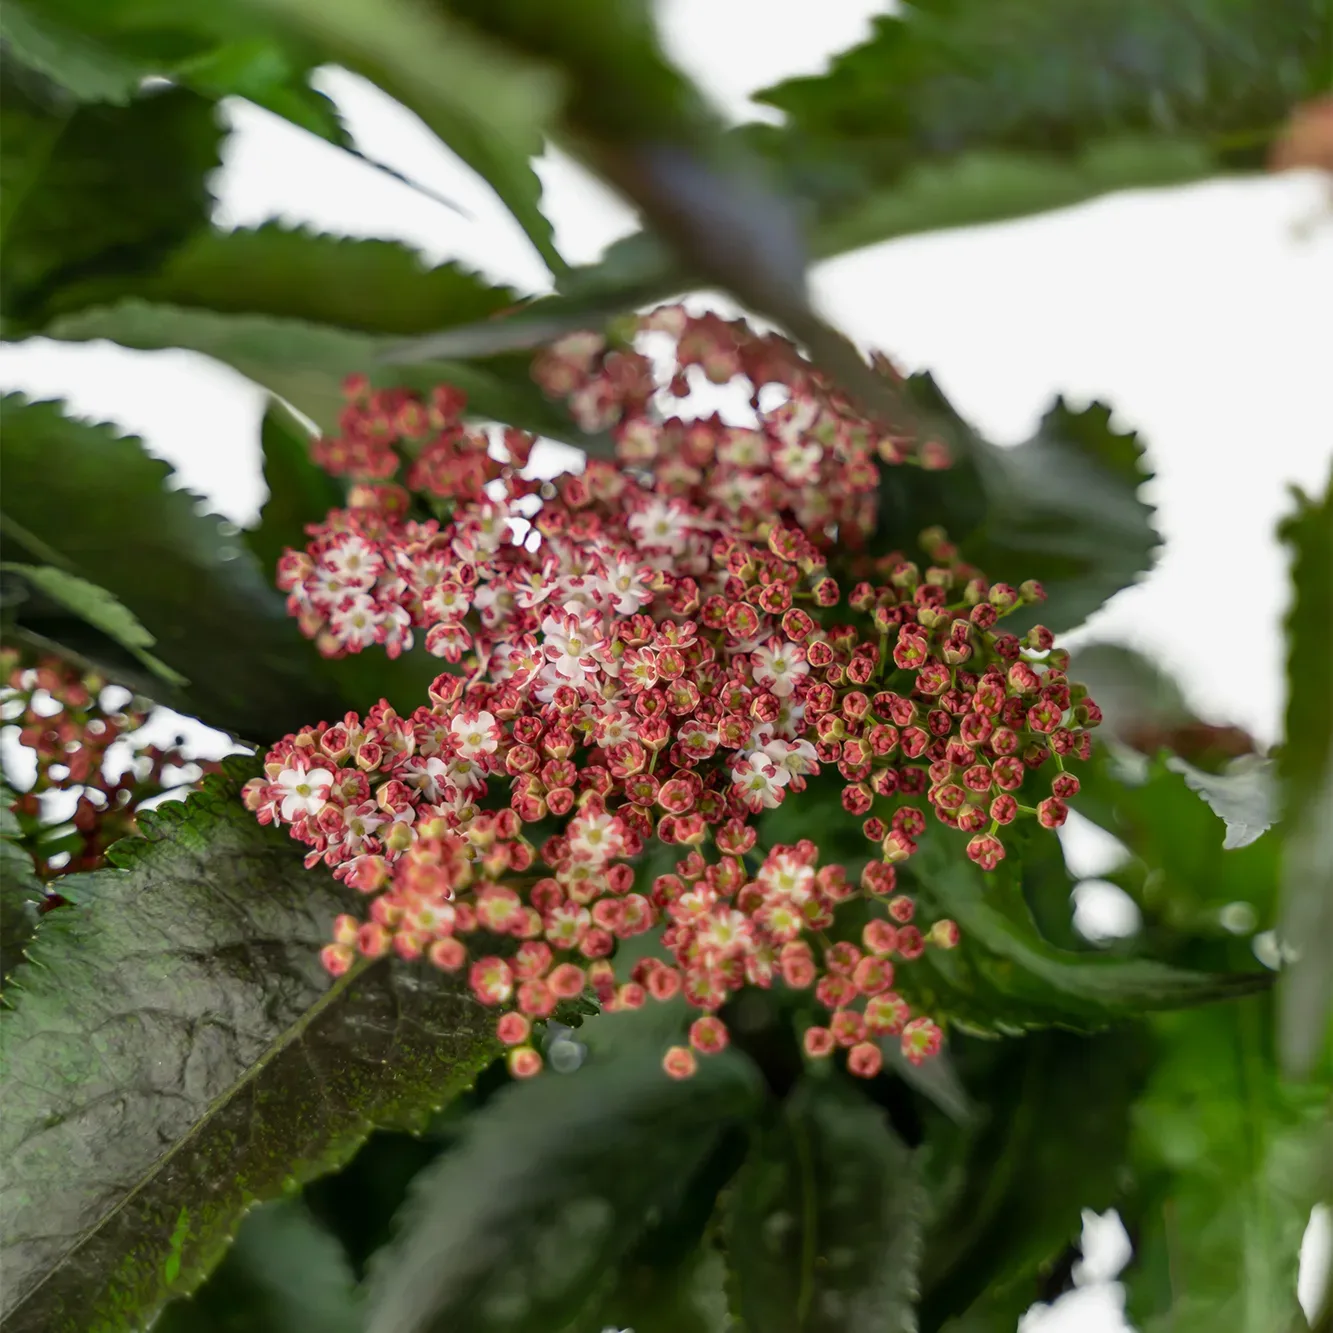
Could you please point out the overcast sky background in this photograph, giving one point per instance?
(1201, 315)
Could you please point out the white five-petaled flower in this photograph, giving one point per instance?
(474, 734)
(779, 666)
(304, 792)
(760, 780)
(794, 757)
(661, 523)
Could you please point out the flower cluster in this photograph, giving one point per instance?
(661, 650)
(66, 719)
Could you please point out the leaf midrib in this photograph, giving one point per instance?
(276, 1047)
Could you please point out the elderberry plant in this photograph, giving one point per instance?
(662, 647)
(636, 900)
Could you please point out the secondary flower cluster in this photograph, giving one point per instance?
(64, 722)
(657, 651)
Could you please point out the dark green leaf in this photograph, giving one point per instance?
(188, 580)
(1047, 1139)
(1004, 977)
(1305, 766)
(101, 610)
(299, 312)
(174, 1052)
(964, 111)
(488, 106)
(1061, 508)
(1228, 1161)
(299, 492)
(20, 889)
(520, 1227)
(94, 191)
(284, 1272)
(824, 1220)
(363, 286)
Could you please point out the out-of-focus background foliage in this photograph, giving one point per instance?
(182, 183)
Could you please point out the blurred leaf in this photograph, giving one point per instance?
(299, 492)
(1305, 767)
(298, 312)
(283, 1272)
(1061, 508)
(552, 1186)
(824, 1220)
(1229, 1161)
(957, 111)
(1243, 795)
(486, 105)
(1132, 692)
(368, 286)
(104, 54)
(20, 890)
(72, 59)
(264, 73)
(1143, 708)
(1185, 873)
(95, 191)
(971, 111)
(1003, 977)
(100, 609)
(1047, 1139)
(187, 580)
(641, 125)
(173, 1052)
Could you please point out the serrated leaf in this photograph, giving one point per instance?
(187, 579)
(298, 312)
(487, 105)
(1305, 768)
(522, 1225)
(1227, 1161)
(971, 112)
(20, 890)
(1008, 1188)
(299, 492)
(1185, 874)
(173, 1052)
(1004, 977)
(1061, 508)
(366, 286)
(824, 1220)
(484, 105)
(101, 610)
(1243, 795)
(959, 111)
(95, 191)
(283, 1272)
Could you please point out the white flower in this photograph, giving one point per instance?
(474, 734)
(355, 622)
(595, 837)
(760, 780)
(304, 793)
(661, 523)
(626, 586)
(794, 757)
(354, 562)
(779, 666)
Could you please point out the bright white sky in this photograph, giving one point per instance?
(1200, 314)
